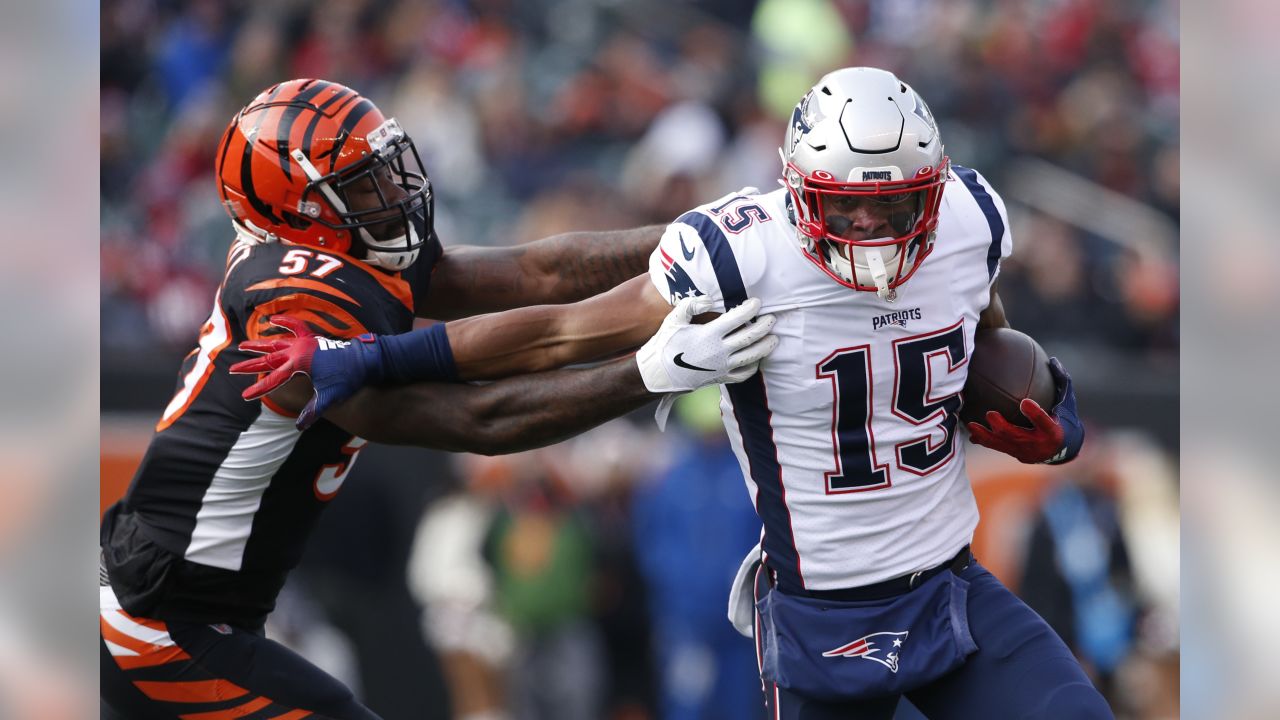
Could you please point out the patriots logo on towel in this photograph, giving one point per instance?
(883, 647)
(679, 284)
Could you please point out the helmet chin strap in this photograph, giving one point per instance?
(874, 266)
(383, 258)
(246, 230)
(391, 259)
(880, 275)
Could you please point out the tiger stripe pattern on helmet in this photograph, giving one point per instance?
(271, 159)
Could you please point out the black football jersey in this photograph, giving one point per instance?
(228, 491)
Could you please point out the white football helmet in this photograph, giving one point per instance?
(863, 163)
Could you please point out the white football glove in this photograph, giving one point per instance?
(682, 356)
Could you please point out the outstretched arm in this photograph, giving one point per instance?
(550, 336)
(501, 417)
(480, 348)
(559, 269)
(681, 356)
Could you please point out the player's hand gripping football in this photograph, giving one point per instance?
(337, 368)
(684, 356)
(1056, 436)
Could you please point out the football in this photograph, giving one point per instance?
(1006, 367)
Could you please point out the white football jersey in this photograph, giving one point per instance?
(848, 436)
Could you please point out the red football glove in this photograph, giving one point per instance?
(1028, 445)
(284, 356)
(337, 368)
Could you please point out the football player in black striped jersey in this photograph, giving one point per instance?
(332, 212)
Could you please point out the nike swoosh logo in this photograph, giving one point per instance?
(688, 254)
(680, 361)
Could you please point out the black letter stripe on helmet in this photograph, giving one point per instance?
(290, 116)
(246, 176)
(357, 113)
(345, 96)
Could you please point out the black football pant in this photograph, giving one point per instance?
(151, 669)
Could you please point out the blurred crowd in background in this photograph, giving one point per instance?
(540, 116)
(589, 580)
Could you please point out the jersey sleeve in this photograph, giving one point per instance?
(316, 288)
(995, 214)
(682, 265)
(1006, 238)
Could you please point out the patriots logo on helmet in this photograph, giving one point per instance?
(883, 647)
(679, 284)
(921, 110)
(803, 118)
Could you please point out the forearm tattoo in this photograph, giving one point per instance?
(589, 268)
(559, 269)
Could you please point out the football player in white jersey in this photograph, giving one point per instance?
(878, 257)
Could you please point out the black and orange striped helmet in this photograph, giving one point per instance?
(313, 163)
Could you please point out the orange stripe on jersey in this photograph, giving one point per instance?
(238, 711)
(191, 691)
(391, 282)
(305, 285)
(218, 328)
(326, 317)
(292, 715)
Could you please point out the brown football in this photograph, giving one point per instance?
(1006, 366)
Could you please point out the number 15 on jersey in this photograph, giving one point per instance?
(858, 467)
